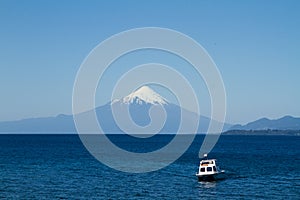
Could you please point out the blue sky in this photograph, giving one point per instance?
(255, 45)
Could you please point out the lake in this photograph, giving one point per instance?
(49, 166)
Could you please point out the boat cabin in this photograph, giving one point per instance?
(207, 167)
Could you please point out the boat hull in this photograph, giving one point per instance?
(211, 177)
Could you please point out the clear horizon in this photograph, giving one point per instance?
(254, 44)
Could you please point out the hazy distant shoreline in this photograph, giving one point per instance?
(230, 132)
(263, 132)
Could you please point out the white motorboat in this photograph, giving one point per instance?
(208, 170)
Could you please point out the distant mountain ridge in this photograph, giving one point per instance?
(139, 103)
(284, 123)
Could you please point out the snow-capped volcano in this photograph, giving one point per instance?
(144, 95)
(138, 103)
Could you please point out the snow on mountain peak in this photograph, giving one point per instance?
(144, 95)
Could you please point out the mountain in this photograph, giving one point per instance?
(145, 108)
(139, 104)
(284, 123)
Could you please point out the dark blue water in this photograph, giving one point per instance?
(59, 167)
